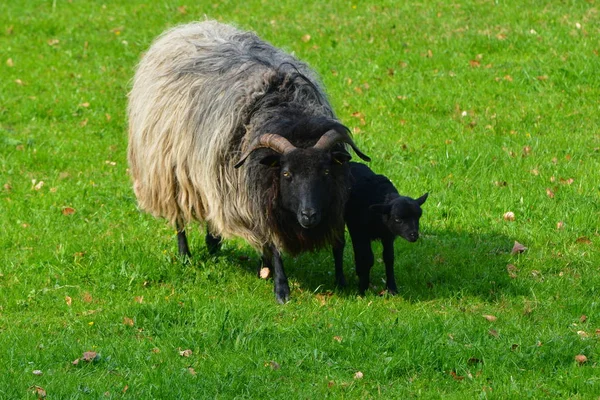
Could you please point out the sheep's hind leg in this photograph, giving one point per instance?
(213, 243)
(182, 243)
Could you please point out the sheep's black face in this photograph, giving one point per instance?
(401, 216)
(306, 183)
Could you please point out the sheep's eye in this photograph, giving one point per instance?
(326, 171)
(287, 175)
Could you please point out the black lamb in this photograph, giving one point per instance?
(374, 211)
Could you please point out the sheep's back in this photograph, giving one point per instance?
(190, 99)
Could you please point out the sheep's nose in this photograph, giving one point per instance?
(414, 236)
(308, 217)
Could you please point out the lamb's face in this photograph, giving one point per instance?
(401, 216)
(403, 219)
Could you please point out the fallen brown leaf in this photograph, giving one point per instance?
(358, 375)
(68, 211)
(583, 318)
(89, 356)
(509, 216)
(274, 365)
(10, 62)
(490, 318)
(512, 271)
(68, 300)
(305, 38)
(87, 297)
(455, 376)
(185, 353)
(549, 193)
(128, 321)
(581, 359)
(583, 240)
(265, 273)
(518, 248)
(38, 391)
(560, 225)
(338, 339)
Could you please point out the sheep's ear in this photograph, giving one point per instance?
(381, 208)
(272, 160)
(340, 157)
(422, 199)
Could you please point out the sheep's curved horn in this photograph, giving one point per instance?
(268, 140)
(333, 137)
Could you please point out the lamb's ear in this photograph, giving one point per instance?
(340, 157)
(381, 208)
(422, 199)
(272, 160)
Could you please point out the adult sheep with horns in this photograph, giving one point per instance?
(227, 129)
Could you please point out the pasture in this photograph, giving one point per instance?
(490, 106)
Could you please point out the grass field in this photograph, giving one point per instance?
(491, 106)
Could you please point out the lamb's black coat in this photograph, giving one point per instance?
(376, 211)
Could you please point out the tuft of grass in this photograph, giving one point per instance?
(489, 106)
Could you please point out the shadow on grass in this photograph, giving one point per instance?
(442, 264)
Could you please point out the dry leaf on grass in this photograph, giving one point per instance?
(581, 359)
(88, 356)
(518, 248)
(185, 353)
(38, 391)
(68, 211)
(358, 375)
(509, 216)
(583, 240)
(265, 273)
(491, 318)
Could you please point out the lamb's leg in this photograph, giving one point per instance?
(363, 258)
(182, 243)
(273, 261)
(213, 243)
(388, 259)
(338, 258)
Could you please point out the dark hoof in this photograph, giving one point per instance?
(282, 293)
(213, 243)
(341, 283)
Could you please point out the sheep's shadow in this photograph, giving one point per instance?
(442, 263)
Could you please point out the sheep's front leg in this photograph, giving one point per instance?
(388, 259)
(182, 243)
(338, 259)
(272, 258)
(363, 258)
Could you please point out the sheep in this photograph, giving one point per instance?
(375, 211)
(208, 99)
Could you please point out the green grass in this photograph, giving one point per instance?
(486, 105)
